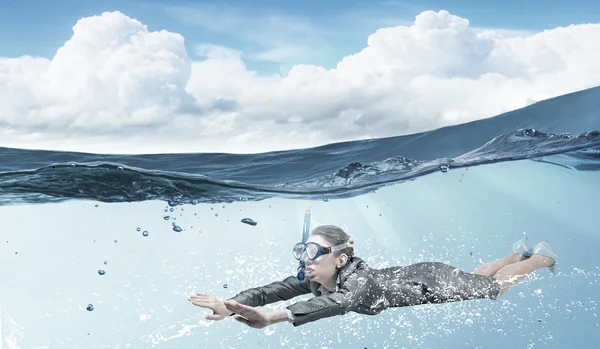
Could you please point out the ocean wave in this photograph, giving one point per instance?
(106, 181)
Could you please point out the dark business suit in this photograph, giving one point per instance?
(366, 290)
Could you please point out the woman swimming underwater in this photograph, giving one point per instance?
(342, 283)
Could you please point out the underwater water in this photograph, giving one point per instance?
(101, 251)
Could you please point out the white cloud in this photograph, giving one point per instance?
(116, 87)
(506, 33)
(218, 52)
(282, 53)
(111, 74)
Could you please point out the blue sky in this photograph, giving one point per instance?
(118, 78)
(274, 33)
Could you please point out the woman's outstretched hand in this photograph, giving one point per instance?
(206, 301)
(250, 316)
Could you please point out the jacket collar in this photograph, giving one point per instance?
(350, 267)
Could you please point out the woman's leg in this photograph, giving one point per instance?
(491, 268)
(513, 273)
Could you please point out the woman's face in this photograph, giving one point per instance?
(323, 268)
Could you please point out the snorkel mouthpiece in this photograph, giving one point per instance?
(301, 271)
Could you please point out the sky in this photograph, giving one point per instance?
(247, 77)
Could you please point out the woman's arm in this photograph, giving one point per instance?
(248, 299)
(278, 316)
(255, 317)
(276, 291)
(354, 291)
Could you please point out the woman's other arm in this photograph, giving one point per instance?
(276, 291)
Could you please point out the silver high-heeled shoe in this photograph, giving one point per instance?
(522, 248)
(543, 248)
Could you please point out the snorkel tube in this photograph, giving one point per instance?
(305, 232)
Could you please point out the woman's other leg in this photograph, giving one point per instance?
(491, 268)
(513, 273)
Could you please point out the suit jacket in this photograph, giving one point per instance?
(360, 288)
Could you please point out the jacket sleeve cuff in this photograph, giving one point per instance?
(290, 315)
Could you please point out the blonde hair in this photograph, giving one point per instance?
(336, 236)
